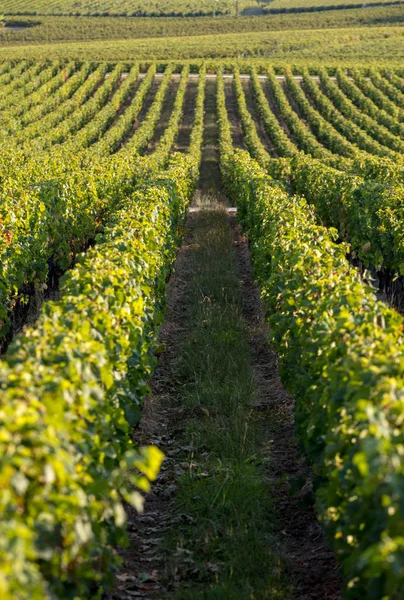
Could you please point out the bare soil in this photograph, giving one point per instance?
(188, 115)
(234, 117)
(209, 173)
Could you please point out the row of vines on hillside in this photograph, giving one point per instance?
(341, 355)
(66, 471)
(92, 188)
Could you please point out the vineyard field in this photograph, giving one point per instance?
(125, 8)
(100, 163)
(171, 8)
(354, 46)
(44, 29)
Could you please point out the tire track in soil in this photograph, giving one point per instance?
(251, 105)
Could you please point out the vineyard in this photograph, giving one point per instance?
(100, 163)
(125, 7)
(129, 8)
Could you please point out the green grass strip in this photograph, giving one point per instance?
(224, 492)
